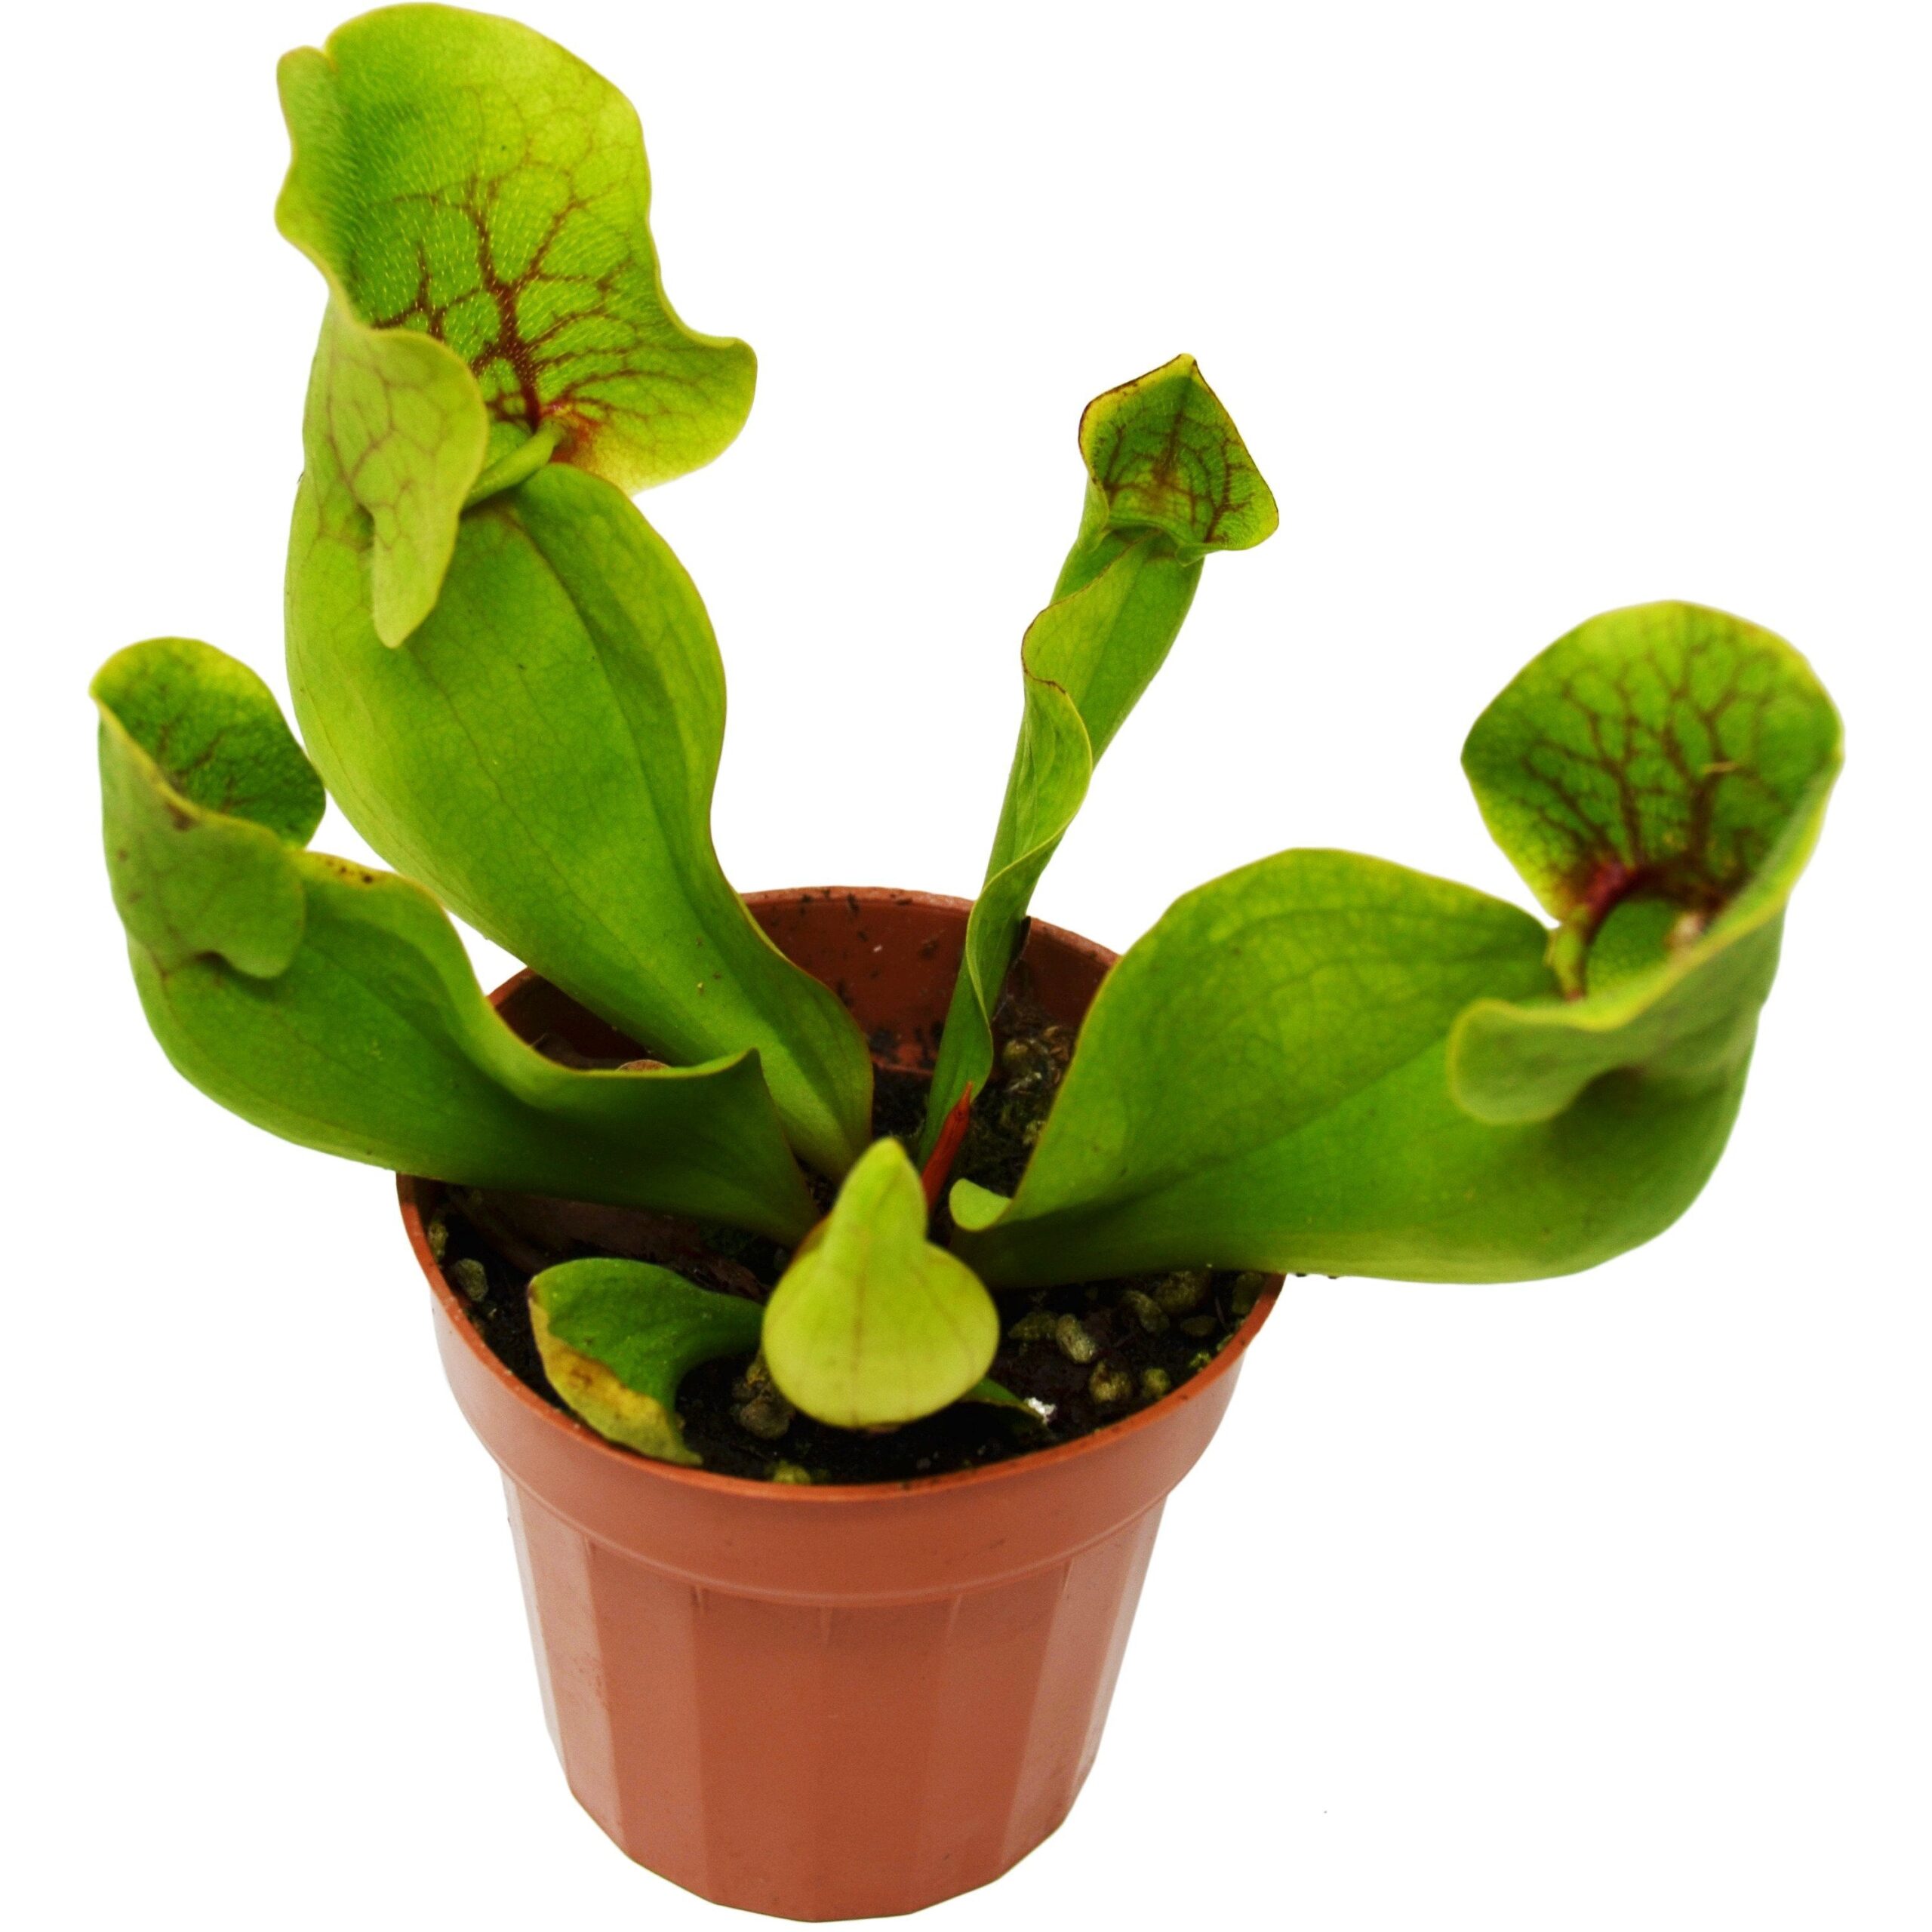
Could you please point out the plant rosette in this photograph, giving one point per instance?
(724, 1245)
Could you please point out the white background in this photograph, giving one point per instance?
(1601, 1603)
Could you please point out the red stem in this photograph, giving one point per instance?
(946, 1149)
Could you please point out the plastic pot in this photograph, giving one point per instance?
(831, 1702)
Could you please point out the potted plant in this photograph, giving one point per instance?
(843, 1278)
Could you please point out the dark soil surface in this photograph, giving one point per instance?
(1081, 1356)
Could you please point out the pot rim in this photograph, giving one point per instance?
(410, 1189)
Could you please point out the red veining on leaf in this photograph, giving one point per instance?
(1197, 462)
(521, 398)
(1662, 835)
(574, 370)
(1612, 880)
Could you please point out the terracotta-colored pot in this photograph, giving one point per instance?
(830, 1702)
